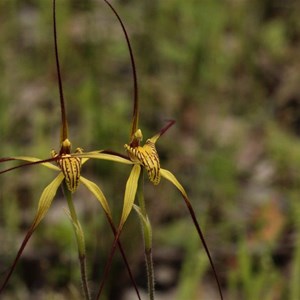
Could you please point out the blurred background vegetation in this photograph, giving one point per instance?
(228, 72)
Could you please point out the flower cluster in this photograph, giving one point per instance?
(68, 165)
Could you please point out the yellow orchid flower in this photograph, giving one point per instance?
(68, 165)
(146, 157)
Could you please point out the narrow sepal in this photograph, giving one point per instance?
(130, 192)
(64, 125)
(43, 206)
(169, 176)
(105, 156)
(30, 162)
(96, 191)
(162, 131)
(135, 116)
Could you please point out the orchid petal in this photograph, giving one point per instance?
(94, 189)
(104, 156)
(130, 192)
(47, 197)
(169, 176)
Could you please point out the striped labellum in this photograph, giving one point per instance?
(147, 156)
(70, 166)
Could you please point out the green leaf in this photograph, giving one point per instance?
(93, 188)
(130, 192)
(46, 198)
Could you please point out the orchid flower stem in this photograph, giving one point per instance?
(80, 241)
(147, 234)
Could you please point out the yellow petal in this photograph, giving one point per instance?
(130, 192)
(46, 198)
(93, 188)
(104, 156)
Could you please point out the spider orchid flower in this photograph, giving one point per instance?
(68, 167)
(146, 157)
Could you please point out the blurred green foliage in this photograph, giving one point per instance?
(227, 72)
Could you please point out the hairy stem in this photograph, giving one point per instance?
(80, 242)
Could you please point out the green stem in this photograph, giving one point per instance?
(147, 234)
(80, 242)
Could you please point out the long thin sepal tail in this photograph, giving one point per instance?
(135, 116)
(94, 189)
(30, 161)
(64, 128)
(43, 206)
(169, 176)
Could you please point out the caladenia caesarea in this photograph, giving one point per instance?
(67, 165)
(146, 157)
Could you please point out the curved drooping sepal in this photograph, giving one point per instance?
(170, 177)
(43, 206)
(130, 192)
(129, 197)
(96, 191)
